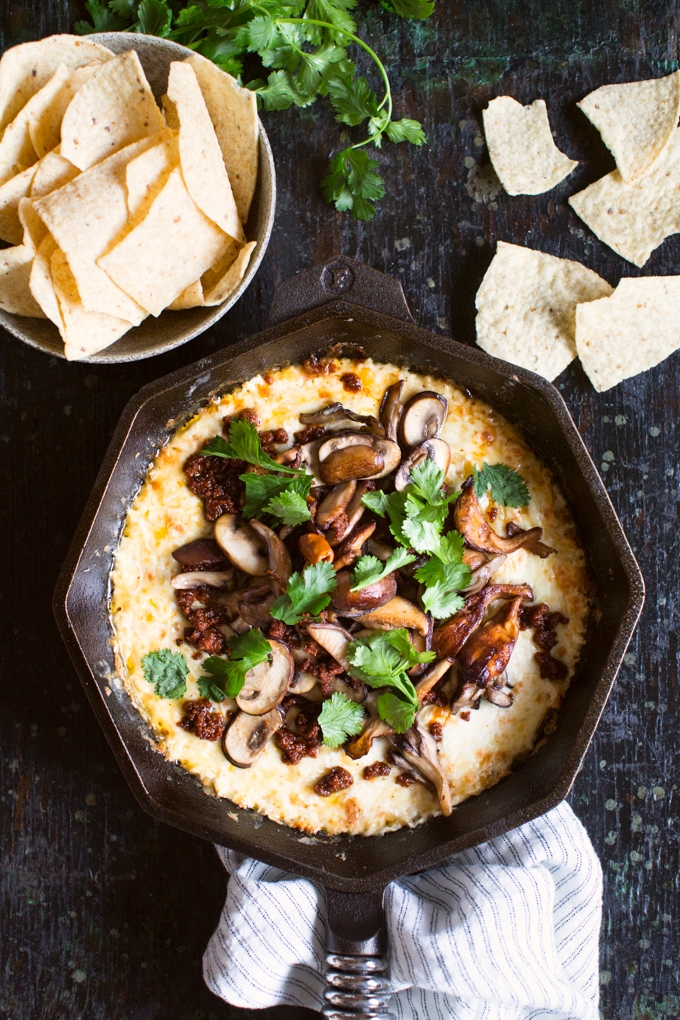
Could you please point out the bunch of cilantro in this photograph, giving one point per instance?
(305, 43)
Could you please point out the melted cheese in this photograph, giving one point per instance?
(475, 753)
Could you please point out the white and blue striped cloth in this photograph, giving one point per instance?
(506, 931)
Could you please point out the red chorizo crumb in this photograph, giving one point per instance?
(465, 716)
(216, 481)
(280, 631)
(551, 668)
(199, 719)
(436, 729)
(272, 438)
(311, 647)
(406, 779)
(309, 433)
(545, 637)
(337, 779)
(319, 366)
(248, 414)
(268, 378)
(351, 382)
(492, 513)
(435, 697)
(378, 768)
(295, 747)
(324, 670)
(204, 632)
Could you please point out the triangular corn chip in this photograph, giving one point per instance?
(45, 126)
(34, 230)
(147, 173)
(15, 273)
(84, 333)
(637, 120)
(51, 173)
(191, 297)
(11, 193)
(16, 147)
(41, 283)
(522, 148)
(231, 279)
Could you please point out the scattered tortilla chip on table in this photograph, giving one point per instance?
(522, 148)
(232, 278)
(86, 218)
(200, 155)
(11, 193)
(634, 218)
(526, 307)
(15, 273)
(233, 112)
(51, 173)
(637, 120)
(41, 283)
(26, 68)
(146, 174)
(146, 265)
(633, 330)
(191, 297)
(84, 333)
(114, 108)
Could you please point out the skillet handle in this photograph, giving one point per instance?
(357, 967)
(339, 278)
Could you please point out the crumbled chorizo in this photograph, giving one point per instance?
(280, 631)
(405, 779)
(324, 669)
(551, 668)
(199, 719)
(436, 729)
(378, 768)
(545, 636)
(314, 365)
(351, 382)
(205, 614)
(309, 433)
(273, 438)
(295, 747)
(248, 414)
(337, 779)
(216, 481)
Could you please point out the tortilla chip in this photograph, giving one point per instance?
(86, 217)
(233, 112)
(84, 333)
(637, 120)
(526, 306)
(216, 272)
(51, 173)
(45, 127)
(11, 193)
(16, 147)
(114, 108)
(25, 69)
(232, 278)
(34, 230)
(15, 273)
(146, 175)
(634, 218)
(41, 284)
(200, 154)
(191, 297)
(170, 249)
(522, 148)
(170, 111)
(631, 331)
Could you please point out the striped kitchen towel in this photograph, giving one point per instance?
(506, 931)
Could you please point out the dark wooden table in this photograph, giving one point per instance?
(105, 912)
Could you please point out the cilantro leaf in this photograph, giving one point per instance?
(103, 20)
(262, 490)
(333, 12)
(409, 8)
(405, 130)
(290, 507)
(383, 659)
(244, 444)
(352, 98)
(167, 671)
(154, 18)
(427, 479)
(423, 524)
(390, 505)
(445, 575)
(340, 718)
(279, 92)
(399, 714)
(353, 184)
(370, 570)
(441, 601)
(225, 677)
(507, 486)
(306, 594)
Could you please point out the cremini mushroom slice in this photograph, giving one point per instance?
(202, 552)
(419, 748)
(482, 574)
(279, 567)
(247, 736)
(396, 613)
(334, 503)
(449, 638)
(195, 578)
(437, 450)
(349, 551)
(241, 544)
(497, 697)
(423, 418)
(302, 682)
(470, 521)
(431, 678)
(347, 456)
(267, 683)
(381, 550)
(361, 745)
(333, 413)
(354, 603)
(315, 549)
(391, 409)
(333, 639)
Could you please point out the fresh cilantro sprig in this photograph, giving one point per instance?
(167, 671)
(244, 444)
(307, 594)
(371, 570)
(444, 575)
(303, 44)
(340, 718)
(507, 486)
(225, 678)
(383, 660)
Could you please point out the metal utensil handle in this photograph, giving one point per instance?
(357, 967)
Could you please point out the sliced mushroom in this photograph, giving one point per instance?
(482, 574)
(247, 736)
(203, 552)
(379, 549)
(430, 679)
(448, 639)
(354, 603)
(309, 456)
(195, 578)
(278, 557)
(357, 455)
(348, 520)
(302, 682)
(315, 548)
(437, 450)
(333, 639)
(471, 523)
(499, 698)
(333, 413)
(423, 418)
(534, 546)
(257, 614)
(398, 612)
(391, 409)
(267, 683)
(420, 750)
(469, 697)
(334, 504)
(241, 544)
(361, 745)
(485, 656)
(349, 551)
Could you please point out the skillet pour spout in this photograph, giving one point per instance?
(342, 307)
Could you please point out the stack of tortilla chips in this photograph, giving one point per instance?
(118, 210)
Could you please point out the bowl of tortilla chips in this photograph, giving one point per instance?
(137, 194)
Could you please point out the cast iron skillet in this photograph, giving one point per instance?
(342, 304)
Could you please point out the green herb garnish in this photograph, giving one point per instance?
(508, 488)
(445, 574)
(306, 594)
(167, 671)
(305, 43)
(340, 718)
(244, 444)
(225, 677)
(370, 570)
(383, 660)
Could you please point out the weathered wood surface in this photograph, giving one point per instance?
(106, 913)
